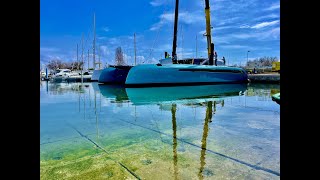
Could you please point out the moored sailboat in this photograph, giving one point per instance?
(182, 74)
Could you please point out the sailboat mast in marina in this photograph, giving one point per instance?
(94, 41)
(210, 45)
(179, 73)
(174, 43)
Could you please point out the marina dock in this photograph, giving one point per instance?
(265, 78)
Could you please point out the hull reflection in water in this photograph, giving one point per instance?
(178, 94)
(189, 132)
(117, 92)
(182, 94)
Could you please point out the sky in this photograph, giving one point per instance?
(241, 29)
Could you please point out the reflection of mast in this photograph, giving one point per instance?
(174, 44)
(174, 128)
(89, 98)
(88, 60)
(95, 112)
(204, 137)
(135, 113)
(214, 107)
(84, 105)
(47, 87)
(79, 96)
(100, 100)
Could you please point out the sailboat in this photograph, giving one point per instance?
(185, 74)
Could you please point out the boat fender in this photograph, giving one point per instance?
(159, 64)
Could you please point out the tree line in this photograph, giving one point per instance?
(264, 61)
(59, 64)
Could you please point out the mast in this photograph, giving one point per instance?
(77, 58)
(174, 45)
(82, 59)
(210, 45)
(88, 60)
(196, 46)
(135, 51)
(99, 57)
(94, 41)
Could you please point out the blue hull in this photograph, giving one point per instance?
(114, 75)
(184, 74)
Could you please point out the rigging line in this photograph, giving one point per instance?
(88, 35)
(157, 35)
(181, 42)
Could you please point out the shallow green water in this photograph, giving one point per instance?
(197, 132)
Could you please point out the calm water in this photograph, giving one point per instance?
(195, 132)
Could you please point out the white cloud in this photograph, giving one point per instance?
(105, 50)
(235, 46)
(271, 34)
(216, 28)
(273, 6)
(222, 27)
(184, 17)
(220, 40)
(101, 37)
(202, 32)
(114, 41)
(244, 26)
(156, 26)
(244, 36)
(227, 21)
(267, 16)
(264, 24)
(47, 54)
(106, 29)
(48, 49)
(158, 2)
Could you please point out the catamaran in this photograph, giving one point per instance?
(185, 74)
(174, 73)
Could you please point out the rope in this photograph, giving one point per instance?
(156, 39)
